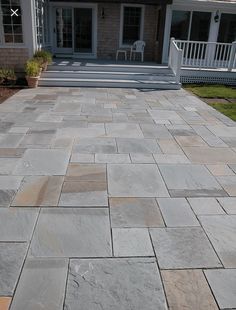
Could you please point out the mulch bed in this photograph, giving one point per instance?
(6, 92)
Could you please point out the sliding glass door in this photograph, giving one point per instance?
(83, 30)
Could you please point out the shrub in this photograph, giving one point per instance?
(7, 75)
(32, 68)
(45, 55)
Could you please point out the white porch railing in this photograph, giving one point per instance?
(212, 55)
(175, 59)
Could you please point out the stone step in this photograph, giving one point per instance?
(113, 83)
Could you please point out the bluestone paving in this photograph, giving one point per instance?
(105, 188)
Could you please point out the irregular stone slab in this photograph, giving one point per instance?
(84, 194)
(11, 153)
(170, 146)
(137, 146)
(99, 145)
(36, 140)
(82, 158)
(190, 141)
(177, 212)
(135, 180)
(135, 212)
(228, 183)
(206, 205)
(72, 233)
(81, 132)
(42, 285)
(123, 130)
(171, 159)
(162, 115)
(190, 180)
(221, 230)
(208, 136)
(223, 131)
(39, 191)
(5, 303)
(179, 248)
(209, 155)
(43, 162)
(118, 283)
(229, 204)
(131, 242)
(17, 224)
(155, 131)
(10, 140)
(223, 285)
(83, 172)
(137, 158)
(12, 256)
(112, 158)
(220, 170)
(187, 289)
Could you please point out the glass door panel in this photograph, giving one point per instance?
(63, 29)
(83, 30)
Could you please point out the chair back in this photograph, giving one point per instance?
(138, 46)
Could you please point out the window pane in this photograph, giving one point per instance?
(227, 30)
(180, 25)
(12, 25)
(200, 26)
(132, 24)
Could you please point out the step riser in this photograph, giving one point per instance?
(98, 84)
(108, 76)
(112, 68)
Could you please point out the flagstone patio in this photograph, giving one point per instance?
(116, 199)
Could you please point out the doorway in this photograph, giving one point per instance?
(74, 31)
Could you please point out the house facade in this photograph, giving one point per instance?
(95, 30)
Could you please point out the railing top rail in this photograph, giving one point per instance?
(202, 42)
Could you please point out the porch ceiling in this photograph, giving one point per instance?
(150, 2)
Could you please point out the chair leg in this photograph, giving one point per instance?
(142, 56)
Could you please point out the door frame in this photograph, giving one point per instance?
(72, 5)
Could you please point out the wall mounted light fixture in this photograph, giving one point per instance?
(217, 16)
(102, 13)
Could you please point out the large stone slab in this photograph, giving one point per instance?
(206, 205)
(165, 115)
(17, 224)
(187, 289)
(228, 183)
(190, 180)
(123, 130)
(135, 212)
(137, 146)
(72, 233)
(84, 194)
(112, 158)
(210, 155)
(223, 285)
(10, 140)
(39, 191)
(177, 212)
(7, 165)
(131, 242)
(99, 145)
(12, 257)
(180, 248)
(117, 284)
(43, 162)
(8, 188)
(229, 204)
(42, 285)
(221, 230)
(5, 303)
(135, 180)
(191, 141)
(86, 172)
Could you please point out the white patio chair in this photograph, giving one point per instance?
(137, 47)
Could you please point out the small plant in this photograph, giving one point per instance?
(32, 68)
(45, 55)
(7, 76)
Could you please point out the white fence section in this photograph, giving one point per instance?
(198, 54)
(175, 59)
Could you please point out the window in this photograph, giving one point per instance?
(42, 22)
(12, 22)
(188, 25)
(132, 24)
(227, 30)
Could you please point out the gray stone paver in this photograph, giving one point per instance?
(93, 174)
